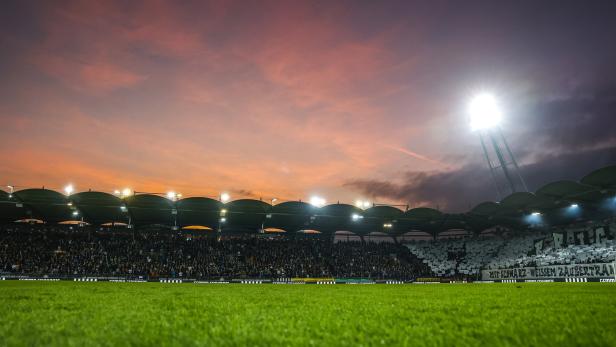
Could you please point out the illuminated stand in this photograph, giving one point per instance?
(485, 116)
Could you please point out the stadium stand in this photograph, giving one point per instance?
(95, 233)
(83, 251)
(460, 257)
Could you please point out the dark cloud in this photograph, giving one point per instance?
(459, 190)
(573, 121)
(561, 136)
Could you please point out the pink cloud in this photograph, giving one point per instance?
(281, 108)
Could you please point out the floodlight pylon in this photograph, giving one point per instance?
(485, 119)
(502, 164)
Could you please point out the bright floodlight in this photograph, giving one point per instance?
(356, 217)
(171, 195)
(317, 201)
(224, 197)
(362, 203)
(69, 189)
(485, 112)
(574, 206)
(536, 214)
(126, 192)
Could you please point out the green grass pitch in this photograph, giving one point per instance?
(124, 314)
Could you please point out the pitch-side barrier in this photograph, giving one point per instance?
(294, 281)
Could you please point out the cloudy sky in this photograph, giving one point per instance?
(286, 99)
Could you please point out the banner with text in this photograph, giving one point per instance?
(600, 270)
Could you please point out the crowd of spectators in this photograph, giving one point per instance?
(39, 249)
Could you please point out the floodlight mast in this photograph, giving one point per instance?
(485, 118)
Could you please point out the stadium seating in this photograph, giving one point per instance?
(64, 250)
(88, 251)
(517, 249)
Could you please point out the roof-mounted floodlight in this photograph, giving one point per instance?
(317, 201)
(224, 197)
(69, 189)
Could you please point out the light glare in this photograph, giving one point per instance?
(484, 112)
(69, 189)
(363, 204)
(317, 201)
(224, 197)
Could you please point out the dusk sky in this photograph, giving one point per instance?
(287, 99)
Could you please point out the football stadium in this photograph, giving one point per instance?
(307, 173)
(532, 269)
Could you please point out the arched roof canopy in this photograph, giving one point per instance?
(453, 221)
(149, 209)
(290, 216)
(331, 218)
(198, 211)
(524, 202)
(9, 209)
(564, 192)
(246, 214)
(421, 218)
(99, 208)
(381, 219)
(486, 208)
(423, 213)
(604, 178)
(47, 205)
(483, 216)
(517, 201)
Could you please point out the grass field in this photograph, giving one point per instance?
(120, 314)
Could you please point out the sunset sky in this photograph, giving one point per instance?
(287, 99)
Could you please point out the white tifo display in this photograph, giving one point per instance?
(577, 244)
(598, 270)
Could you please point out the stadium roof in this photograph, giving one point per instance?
(596, 193)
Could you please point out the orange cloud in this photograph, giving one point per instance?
(158, 100)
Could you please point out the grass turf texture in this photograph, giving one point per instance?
(117, 314)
